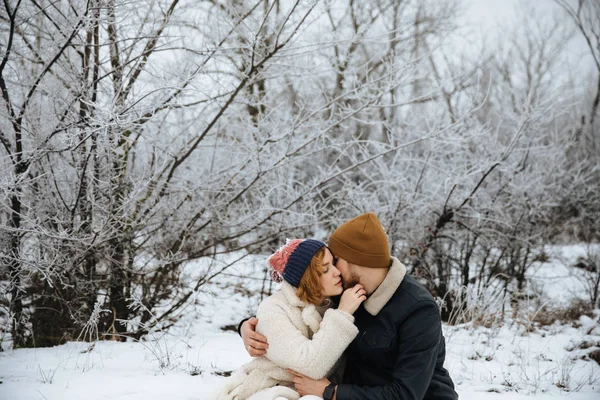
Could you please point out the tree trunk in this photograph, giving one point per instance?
(118, 282)
(14, 268)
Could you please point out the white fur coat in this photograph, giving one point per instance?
(299, 339)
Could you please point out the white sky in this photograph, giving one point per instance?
(486, 16)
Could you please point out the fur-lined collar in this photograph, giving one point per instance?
(387, 288)
(310, 315)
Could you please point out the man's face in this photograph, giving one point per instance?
(349, 274)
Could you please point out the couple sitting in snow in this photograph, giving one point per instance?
(381, 339)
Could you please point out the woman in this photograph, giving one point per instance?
(304, 333)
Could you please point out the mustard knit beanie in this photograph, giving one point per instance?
(362, 241)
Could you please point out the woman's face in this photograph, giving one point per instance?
(331, 280)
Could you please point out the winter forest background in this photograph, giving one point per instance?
(136, 136)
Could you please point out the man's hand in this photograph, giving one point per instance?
(305, 385)
(256, 344)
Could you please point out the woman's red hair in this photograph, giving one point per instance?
(309, 288)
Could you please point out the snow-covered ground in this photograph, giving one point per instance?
(189, 362)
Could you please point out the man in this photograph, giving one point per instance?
(400, 350)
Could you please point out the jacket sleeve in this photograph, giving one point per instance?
(418, 345)
(239, 330)
(315, 357)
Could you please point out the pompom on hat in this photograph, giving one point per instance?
(291, 260)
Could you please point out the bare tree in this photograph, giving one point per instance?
(578, 209)
(137, 136)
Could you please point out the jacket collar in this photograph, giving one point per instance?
(310, 315)
(387, 288)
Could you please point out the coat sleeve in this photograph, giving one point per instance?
(419, 339)
(239, 329)
(315, 357)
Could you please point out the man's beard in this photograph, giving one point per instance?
(352, 281)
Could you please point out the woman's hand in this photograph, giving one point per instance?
(351, 299)
(256, 344)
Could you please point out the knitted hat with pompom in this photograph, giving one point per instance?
(292, 259)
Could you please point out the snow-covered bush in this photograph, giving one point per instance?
(137, 136)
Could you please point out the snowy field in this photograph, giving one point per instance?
(514, 359)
